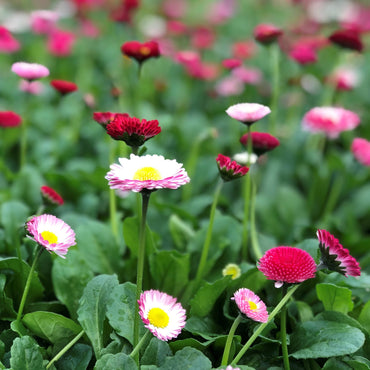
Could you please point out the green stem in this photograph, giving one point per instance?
(23, 145)
(225, 356)
(65, 349)
(254, 239)
(135, 351)
(262, 326)
(334, 192)
(140, 266)
(284, 346)
(112, 194)
(28, 284)
(275, 72)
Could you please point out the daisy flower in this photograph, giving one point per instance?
(336, 258)
(248, 113)
(50, 195)
(233, 270)
(287, 265)
(262, 142)
(10, 119)
(52, 233)
(230, 170)
(140, 51)
(161, 314)
(250, 305)
(361, 150)
(148, 172)
(64, 87)
(29, 71)
(104, 118)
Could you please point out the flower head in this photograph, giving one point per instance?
(267, 33)
(336, 258)
(30, 71)
(303, 54)
(103, 118)
(10, 119)
(52, 233)
(330, 120)
(287, 265)
(64, 87)
(230, 170)
(60, 42)
(262, 142)
(233, 270)
(231, 63)
(140, 51)
(51, 196)
(348, 39)
(148, 172)
(161, 314)
(31, 87)
(43, 21)
(361, 150)
(248, 113)
(250, 305)
(133, 131)
(8, 44)
(344, 78)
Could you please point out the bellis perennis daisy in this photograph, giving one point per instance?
(230, 170)
(161, 314)
(248, 113)
(148, 172)
(51, 233)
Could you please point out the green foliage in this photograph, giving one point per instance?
(26, 354)
(335, 298)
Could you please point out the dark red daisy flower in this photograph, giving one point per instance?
(262, 142)
(103, 118)
(230, 170)
(348, 39)
(133, 131)
(10, 119)
(51, 196)
(287, 265)
(266, 33)
(336, 258)
(231, 63)
(64, 87)
(140, 51)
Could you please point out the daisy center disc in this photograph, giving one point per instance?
(158, 317)
(144, 50)
(147, 173)
(252, 305)
(49, 236)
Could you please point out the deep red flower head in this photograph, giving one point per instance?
(103, 118)
(8, 44)
(133, 131)
(348, 39)
(51, 196)
(266, 33)
(231, 63)
(60, 42)
(140, 51)
(10, 119)
(203, 38)
(64, 87)
(336, 258)
(262, 142)
(303, 54)
(287, 265)
(124, 11)
(361, 150)
(243, 49)
(230, 170)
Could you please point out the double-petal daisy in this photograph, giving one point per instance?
(149, 172)
(230, 170)
(248, 113)
(161, 314)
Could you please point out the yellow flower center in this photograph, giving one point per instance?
(158, 317)
(144, 50)
(147, 173)
(49, 236)
(252, 305)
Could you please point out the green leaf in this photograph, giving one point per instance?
(364, 317)
(165, 264)
(92, 310)
(156, 353)
(335, 364)
(70, 277)
(51, 326)
(77, 358)
(335, 298)
(6, 304)
(181, 231)
(188, 358)
(315, 339)
(357, 362)
(26, 354)
(119, 361)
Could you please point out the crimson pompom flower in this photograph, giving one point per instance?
(30, 71)
(10, 119)
(251, 305)
(303, 54)
(231, 63)
(361, 150)
(133, 131)
(161, 314)
(262, 142)
(64, 87)
(267, 33)
(334, 257)
(51, 196)
(287, 265)
(248, 113)
(330, 120)
(103, 118)
(140, 51)
(8, 44)
(52, 233)
(230, 170)
(348, 39)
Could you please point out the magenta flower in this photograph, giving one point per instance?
(348, 39)
(43, 21)
(8, 44)
(334, 257)
(51, 196)
(303, 54)
(230, 170)
(330, 120)
(361, 150)
(287, 265)
(60, 42)
(10, 119)
(30, 71)
(251, 305)
(262, 142)
(267, 33)
(103, 118)
(248, 113)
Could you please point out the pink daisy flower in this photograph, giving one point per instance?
(267, 33)
(330, 120)
(30, 71)
(262, 142)
(103, 118)
(148, 172)
(10, 119)
(161, 314)
(250, 305)
(336, 258)
(248, 113)
(361, 150)
(52, 233)
(230, 170)
(50, 195)
(287, 265)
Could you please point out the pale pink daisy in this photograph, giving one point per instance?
(30, 71)
(250, 305)
(248, 113)
(330, 120)
(148, 172)
(161, 314)
(52, 233)
(361, 150)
